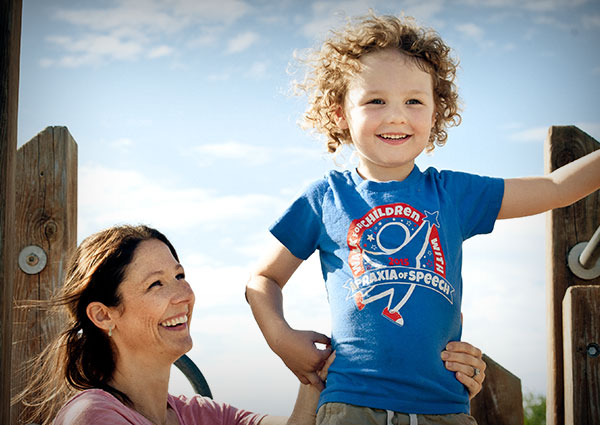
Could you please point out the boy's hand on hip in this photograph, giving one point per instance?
(298, 351)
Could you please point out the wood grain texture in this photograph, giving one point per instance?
(565, 228)
(46, 216)
(581, 328)
(10, 48)
(500, 401)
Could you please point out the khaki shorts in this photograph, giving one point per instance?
(348, 414)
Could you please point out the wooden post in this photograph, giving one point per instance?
(565, 228)
(500, 401)
(10, 48)
(46, 223)
(581, 323)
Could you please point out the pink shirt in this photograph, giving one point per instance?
(98, 407)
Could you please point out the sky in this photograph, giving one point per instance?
(184, 120)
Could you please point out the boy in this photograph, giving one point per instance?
(388, 234)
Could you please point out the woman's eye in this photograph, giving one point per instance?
(153, 284)
(376, 102)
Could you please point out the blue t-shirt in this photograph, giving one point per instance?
(391, 255)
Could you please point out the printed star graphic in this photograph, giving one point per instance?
(370, 238)
(432, 217)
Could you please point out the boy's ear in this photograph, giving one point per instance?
(100, 315)
(340, 118)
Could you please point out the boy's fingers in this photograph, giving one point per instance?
(315, 381)
(323, 372)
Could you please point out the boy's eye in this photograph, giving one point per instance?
(376, 102)
(413, 102)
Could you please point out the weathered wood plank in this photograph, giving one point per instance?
(565, 228)
(581, 336)
(46, 217)
(500, 401)
(10, 47)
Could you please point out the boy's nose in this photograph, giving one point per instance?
(397, 114)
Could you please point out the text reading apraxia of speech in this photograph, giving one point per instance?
(403, 276)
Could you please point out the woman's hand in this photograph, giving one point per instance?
(465, 360)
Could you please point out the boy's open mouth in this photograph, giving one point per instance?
(394, 138)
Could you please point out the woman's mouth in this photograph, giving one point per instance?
(175, 323)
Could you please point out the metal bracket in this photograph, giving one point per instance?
(584, 258)
(32, 259)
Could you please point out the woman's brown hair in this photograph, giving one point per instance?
(81, 356)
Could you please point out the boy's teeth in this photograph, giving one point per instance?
(176, 321)
(394, 136)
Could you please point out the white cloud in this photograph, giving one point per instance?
(504, 296)
(591, 21)
(127, 30)
(424, 11)
(536, 134)
(242, 41)
(155, 16)
(258, 70)
(470, 30)
(159, 51)
(108, 196)
(252, 154)
(539, 134)
(532, 5)
(123, 144)
(327, 15)
(93, 49)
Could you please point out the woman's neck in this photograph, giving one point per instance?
(147, 387)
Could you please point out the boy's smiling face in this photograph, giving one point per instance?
(389, 110)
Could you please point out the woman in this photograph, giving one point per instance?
(129, 309)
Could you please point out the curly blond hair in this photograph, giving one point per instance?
(330, 68)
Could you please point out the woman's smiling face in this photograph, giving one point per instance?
(156, 305)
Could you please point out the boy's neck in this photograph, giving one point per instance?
(382, 174)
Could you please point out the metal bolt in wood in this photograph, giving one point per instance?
(32, 259)
(593, 350)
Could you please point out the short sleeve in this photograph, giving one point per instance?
(200, 410)
(299, 228)
(477, 200)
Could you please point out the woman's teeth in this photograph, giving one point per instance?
(175, 321)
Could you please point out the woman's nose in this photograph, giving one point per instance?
(183, 292)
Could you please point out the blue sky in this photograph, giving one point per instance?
(183, 118)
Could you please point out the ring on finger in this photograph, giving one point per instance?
(476, 372)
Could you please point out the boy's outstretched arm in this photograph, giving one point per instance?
(296, 348)
(564, 186)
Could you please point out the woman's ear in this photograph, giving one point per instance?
(340, 118)
(100, 315)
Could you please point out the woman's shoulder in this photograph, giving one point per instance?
(94, 406)
(203, 410)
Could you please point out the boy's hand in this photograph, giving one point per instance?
(298, 351)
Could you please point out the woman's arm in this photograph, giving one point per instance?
(305, 409)
(564, 186)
